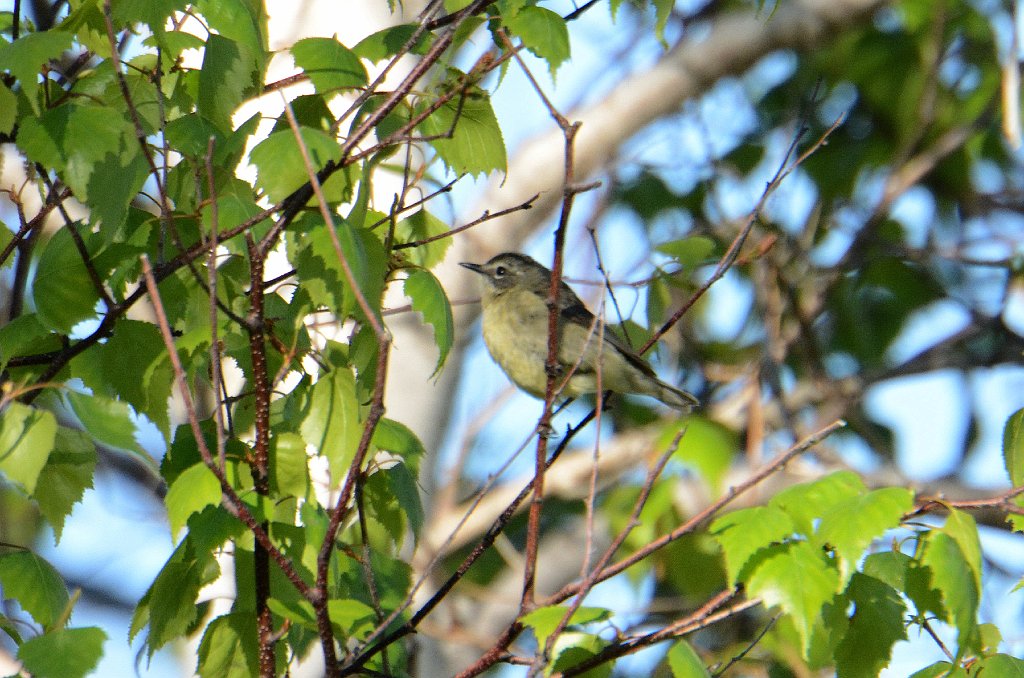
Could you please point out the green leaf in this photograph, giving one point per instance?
(25, 57)
(152, 13)
(875, 626)
(280, 169)
(35, 584)
(398, 439)
(331, 421)
(419, 226)
(953, 577)
(745, 532)
(428, 299)
(544, 620)
(228, 77)
(168, 607)
(543, 32)
(289, 471)
(228, 648)
(96, 154)
(684, 661)
(8, 110)
(471, 140)
(940, 670)
(147, 386)
(191, 492)
(707, 446)
(1013, 447)
(66, 476)
(350, 616)
(806, 502)
(962, 528)
(689, 252)
(244, 21)
(389, 42)
(64, 653)
(25, 335)
(574, 648)
(27, 437)
(61, 291)
(329, 64)
(1002, 665)
(107, 420)
(795, 578)
(850, 527)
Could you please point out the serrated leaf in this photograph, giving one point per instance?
(147, 386)
(329, 64)
(152, 13)
(8, 110)
(1002, 665)
(850, 527)
(169, 606)
(953, 577)
(707, 446)
(1013, 447)
(66, 476)
(962, 528)
(389, 41)
(429, 300)
(689, 252)
(63, 653)
(280, 169)
(191, 492)
(27, 437)
(795, 578)
(543, 32)
(228, 75)
(331, 423)
(228, 648)
(807, 501)
(419, 226)
(349, 615)
(61, 292)
(289, 471)
(25, 57)
(35, 584)
(399, 439)
(25, 335)
(96, 154)
(470, 139)
(875, 626)
(743, 533)
(544, 620)
(107, 420)
(684, 661)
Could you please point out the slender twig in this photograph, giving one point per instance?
(701, 517)
(729, 258)
(354, 666)
(232, 501)
(211, 284)
(486, 216)
(634, 519)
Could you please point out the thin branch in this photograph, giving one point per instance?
(232, 501)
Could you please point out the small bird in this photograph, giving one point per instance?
(515, 327)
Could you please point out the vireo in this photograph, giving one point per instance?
(515, 326)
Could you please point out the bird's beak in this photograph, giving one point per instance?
(476, 268)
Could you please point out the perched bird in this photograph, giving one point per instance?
(515, 326)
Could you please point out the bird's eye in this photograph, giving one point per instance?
(500, 271)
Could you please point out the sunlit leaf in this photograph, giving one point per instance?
(35, 584)
(428, 298)
(63, 653)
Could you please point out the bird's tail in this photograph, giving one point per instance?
(676, 397)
